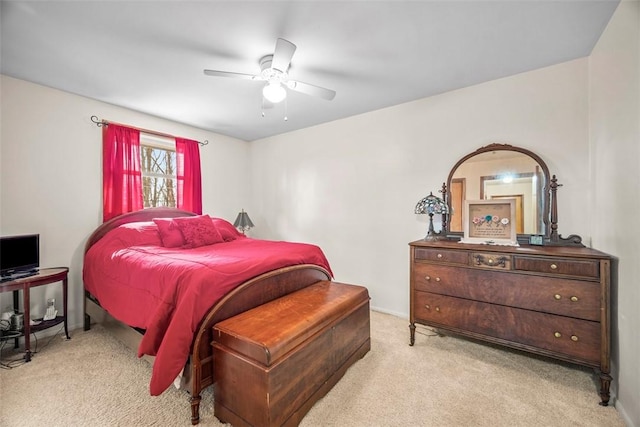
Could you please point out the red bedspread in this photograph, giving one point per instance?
(168, 291)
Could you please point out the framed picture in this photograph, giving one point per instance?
(491, 222)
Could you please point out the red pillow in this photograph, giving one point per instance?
(226, 230)
(170, 233)
(198, 231)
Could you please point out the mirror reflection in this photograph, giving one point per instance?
(501, 174)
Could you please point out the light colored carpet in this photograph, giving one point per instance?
(94, 380)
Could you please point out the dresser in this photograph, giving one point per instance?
(548, 300)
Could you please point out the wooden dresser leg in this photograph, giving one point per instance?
(605, 383)
(195, 409)
(412, 333)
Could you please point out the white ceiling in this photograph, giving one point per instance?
(149, 56)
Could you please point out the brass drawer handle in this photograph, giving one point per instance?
(437, 279)
(500, 261)
(573, 298)
(428, 307)
(427, 278)
(438, 309)
(439, 255)
(557, 334)
(574, 338)
(553, 266)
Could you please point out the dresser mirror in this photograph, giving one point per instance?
(501, 171)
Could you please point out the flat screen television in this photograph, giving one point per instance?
(19, 254)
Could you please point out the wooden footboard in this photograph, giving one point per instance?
(250, 294)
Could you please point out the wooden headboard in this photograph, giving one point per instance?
(137, 216)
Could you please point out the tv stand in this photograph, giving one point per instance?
(41, 277)
(19, 275)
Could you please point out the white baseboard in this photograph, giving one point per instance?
(394, 313)
(623, 414)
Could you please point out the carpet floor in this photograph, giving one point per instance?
(94, 380)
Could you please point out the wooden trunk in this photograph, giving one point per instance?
(272, 363)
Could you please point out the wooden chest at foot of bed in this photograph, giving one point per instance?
(272, 363)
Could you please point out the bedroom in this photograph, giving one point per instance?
(350, 185)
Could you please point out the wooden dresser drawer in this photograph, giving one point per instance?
(562, 335)
(574, 298)
(442, 255)
(491, 260)
(562, 266)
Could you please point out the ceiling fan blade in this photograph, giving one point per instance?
(282, 55)
(232, 75)
(309, 89)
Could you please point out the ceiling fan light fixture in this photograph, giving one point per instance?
(274, 71)
(274, 92)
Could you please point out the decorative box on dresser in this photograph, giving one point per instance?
(552, 301)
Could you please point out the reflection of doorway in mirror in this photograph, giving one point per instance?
(521, 186)
(519, 211)
(457, 191)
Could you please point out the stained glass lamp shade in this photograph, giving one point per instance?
(431, 205)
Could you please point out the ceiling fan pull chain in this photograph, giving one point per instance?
(285, 109)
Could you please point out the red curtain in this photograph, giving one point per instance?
(189, 191)
(121, 173)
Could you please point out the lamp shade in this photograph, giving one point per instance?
(274, 92)
(431, 205)
(243, 222)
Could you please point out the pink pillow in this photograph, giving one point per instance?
(226, 230)
(170, 233)
(136, 234)
(198, 231)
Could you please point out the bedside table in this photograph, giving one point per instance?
(44, 276)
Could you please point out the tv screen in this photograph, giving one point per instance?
(19, 254)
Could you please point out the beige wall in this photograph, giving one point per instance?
(614, 130)
(351, 185)
(51, 175)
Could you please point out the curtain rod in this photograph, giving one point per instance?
(101, 123)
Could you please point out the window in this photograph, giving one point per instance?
(158, 163)
(144, 171)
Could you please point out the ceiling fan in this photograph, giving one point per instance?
(274, 72)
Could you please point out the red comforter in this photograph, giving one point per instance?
(168, 291)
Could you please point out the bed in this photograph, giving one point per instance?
(127, 274)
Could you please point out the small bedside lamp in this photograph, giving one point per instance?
(243, 222)
(431, 205)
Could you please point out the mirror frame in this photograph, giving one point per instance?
(550, 219)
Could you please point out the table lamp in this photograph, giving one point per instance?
(243, 222)
(432, 205)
